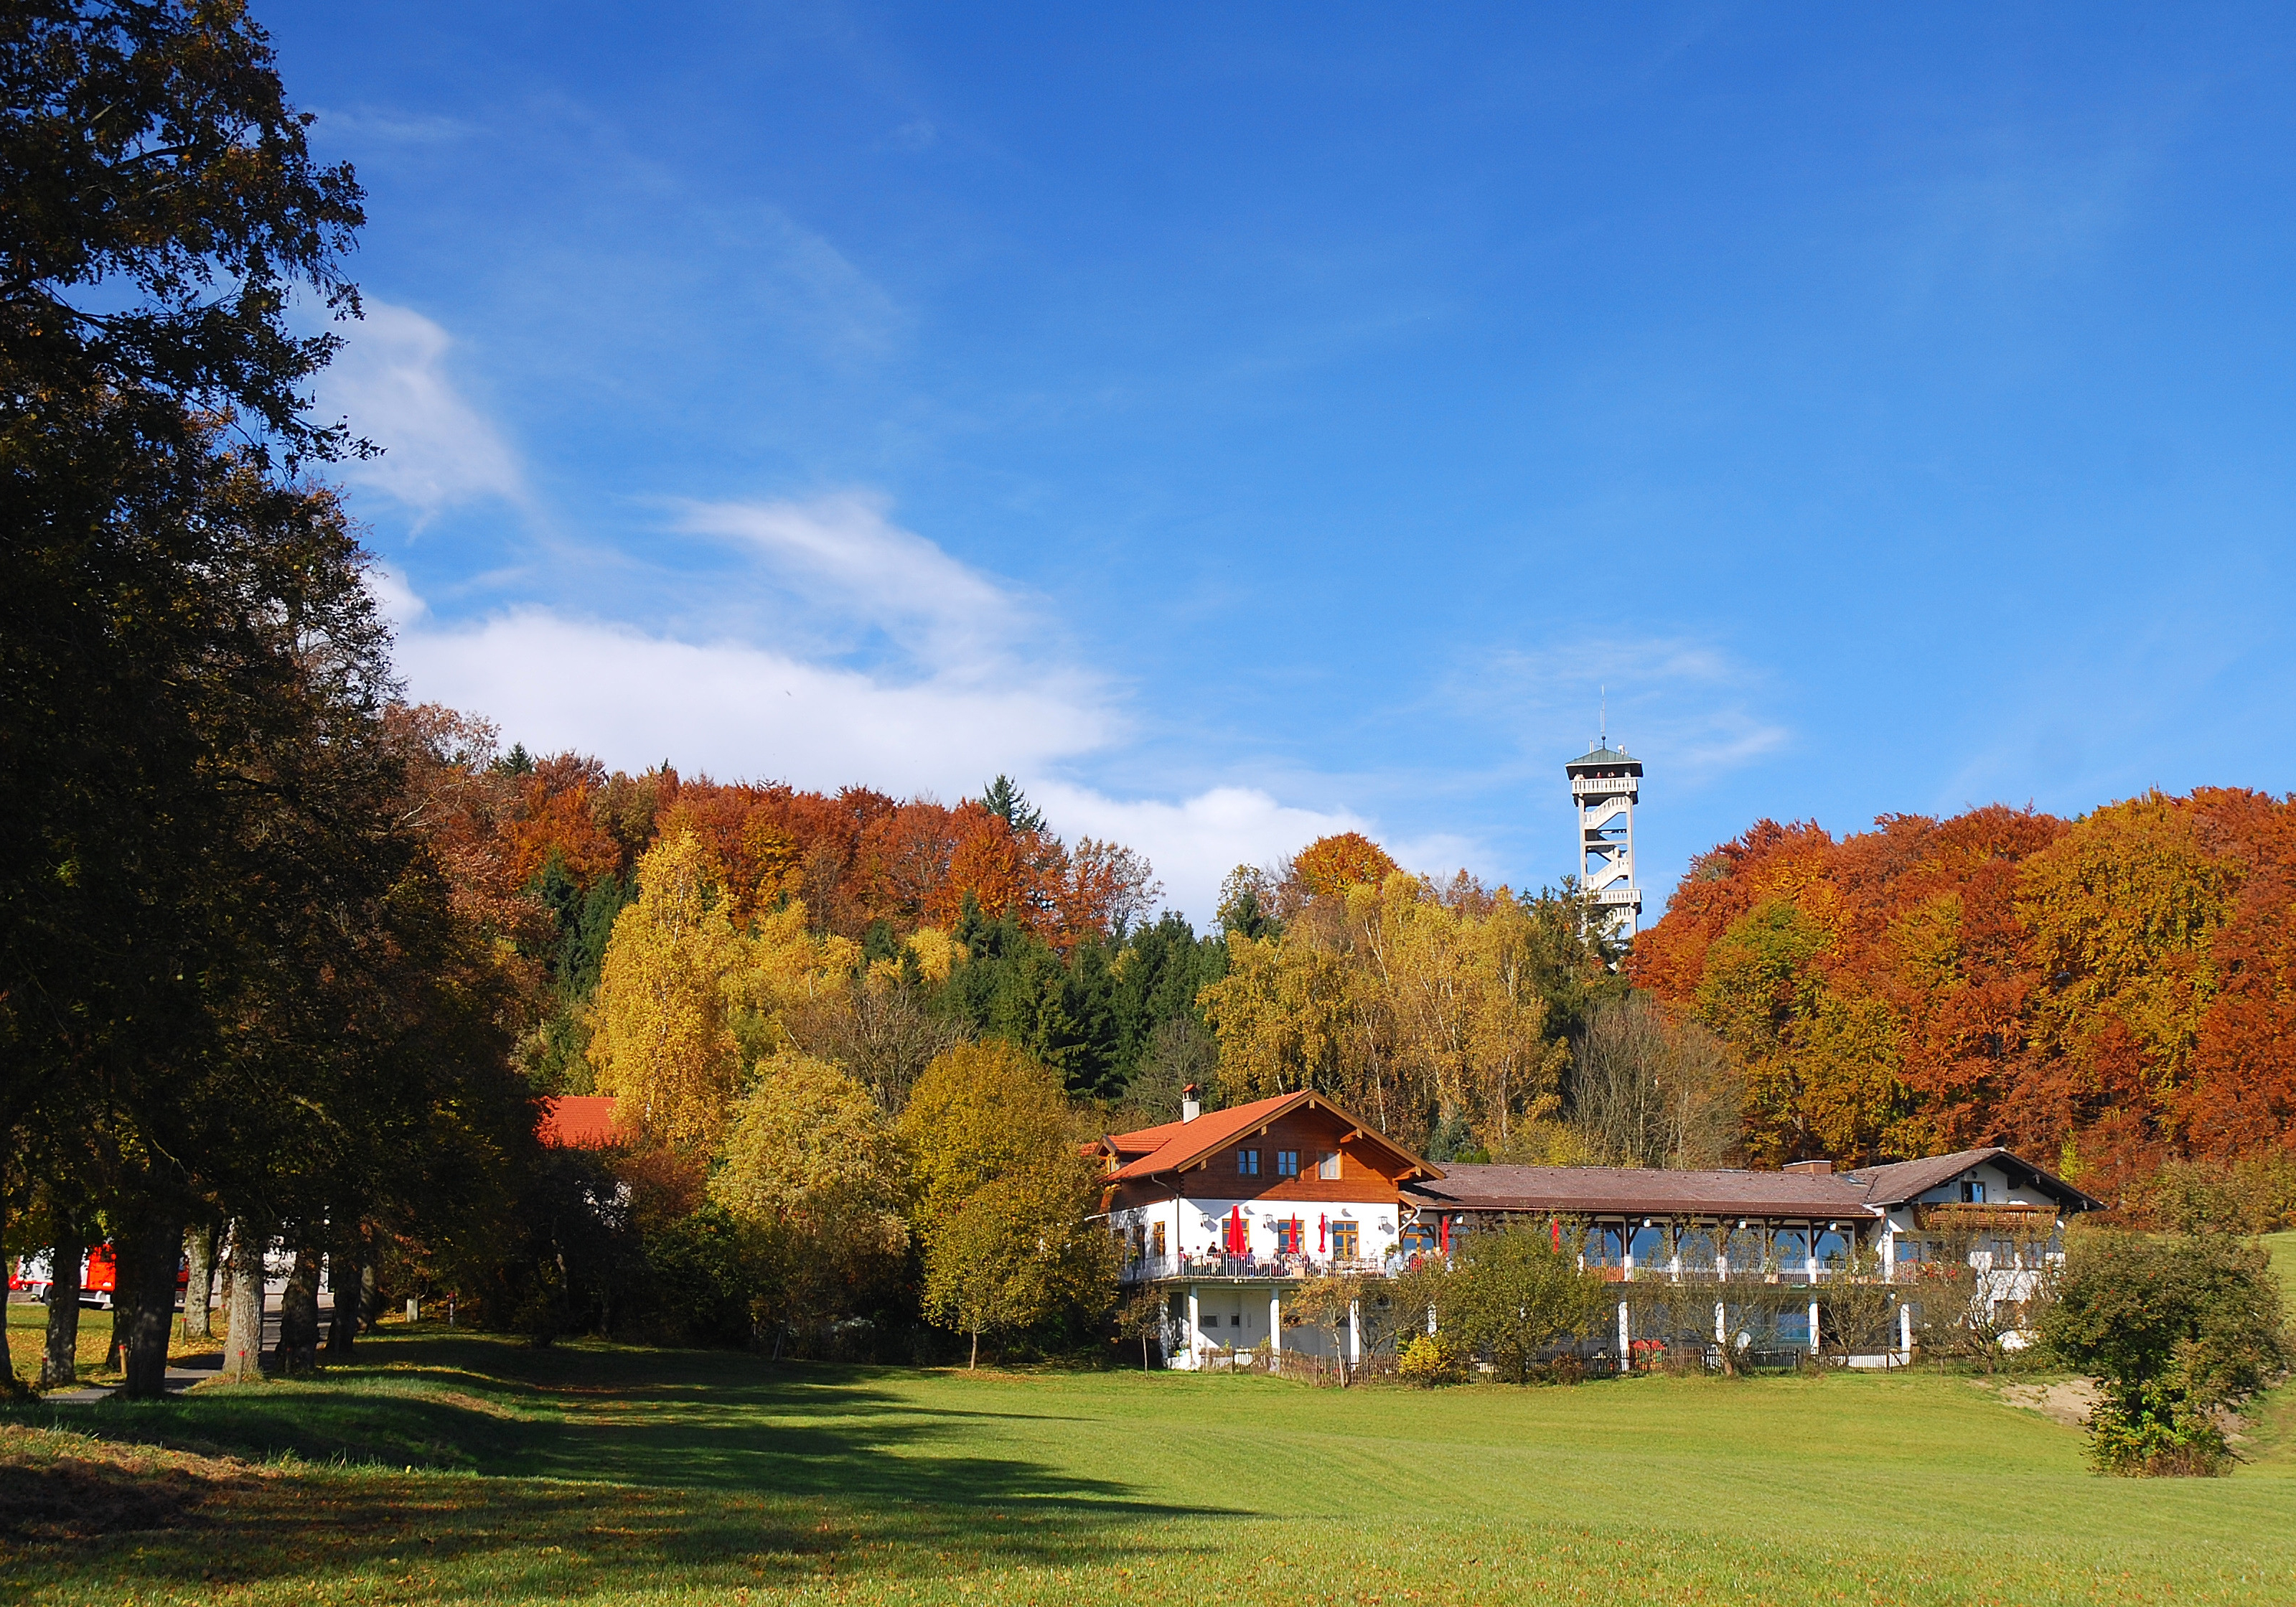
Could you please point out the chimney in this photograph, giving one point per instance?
(1191, 1107)
(1809, 1168)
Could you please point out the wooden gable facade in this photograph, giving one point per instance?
(1293, 1147)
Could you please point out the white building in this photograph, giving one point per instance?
(1227, 1210)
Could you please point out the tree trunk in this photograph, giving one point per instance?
(159, 1254)
(199, 1251)
(975, 1362)
(370, 1263)
(298, 1314)
(11, 1386)
(127, 1246)
(242, 1302)
(344, 1278)
(60, 1367)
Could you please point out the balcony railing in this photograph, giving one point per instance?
(1150, 1269)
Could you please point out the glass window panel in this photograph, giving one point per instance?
(1832, 1248)
(1696, 1248)
(1649, 1246)
(1790, 1250)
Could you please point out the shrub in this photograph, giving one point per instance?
(1513, 1295)
(2174, 1329)
(1428, 1361)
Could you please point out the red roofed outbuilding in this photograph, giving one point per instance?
(578, 1121)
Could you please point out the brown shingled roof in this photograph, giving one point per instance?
(1636, 1190)
(1902, 1180)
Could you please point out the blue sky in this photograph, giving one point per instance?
(1243, 421)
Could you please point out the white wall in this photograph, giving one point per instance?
(1198, 1228)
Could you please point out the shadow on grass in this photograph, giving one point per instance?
(556, 1472)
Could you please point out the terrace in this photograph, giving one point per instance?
(1215, 1267)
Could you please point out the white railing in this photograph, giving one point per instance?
(1152, 1269)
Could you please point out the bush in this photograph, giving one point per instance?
(2175, 1330)
(1428, 1361)
(1513, 1295)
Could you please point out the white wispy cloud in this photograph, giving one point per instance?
(392, 382)
(1194, 842)
(1685, 703)
(734, 709)
(850, 563)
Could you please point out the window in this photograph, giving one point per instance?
(1212, 1319)
(1287, 1163)
(1327, 1165)
(1247, 1163)
(1156, 1240)
(1418, 1238)
(1345, 1245)
(1973, 1192)
(1290, 1236)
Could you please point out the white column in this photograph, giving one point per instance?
(1889, 1255)
(1275, 1326)
(1626, 1341)
(1355, 1335)
(1195, 1329)
(1721, 1323)
(1905, 1331)
(1813, 1327)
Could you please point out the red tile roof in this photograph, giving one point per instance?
(577, 1121)
(1174, 1145)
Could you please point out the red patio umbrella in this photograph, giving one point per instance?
(1235, 1239)
(1323, 1232)
(1446, 1221)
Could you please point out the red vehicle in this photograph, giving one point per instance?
(99, 1278)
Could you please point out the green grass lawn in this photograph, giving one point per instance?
(446, 1467)
(2283, 1247)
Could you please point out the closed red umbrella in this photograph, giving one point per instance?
(1235, 1239)
(1323, 1233)
(1446, 1221)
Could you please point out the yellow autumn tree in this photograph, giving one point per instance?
(1282, 1015)
(2122, 911)
(1399, 998)
(814, 1172)
(661, 1041)
(1003, 1197)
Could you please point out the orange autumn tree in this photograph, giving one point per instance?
(2106, 991)
(1343, 860)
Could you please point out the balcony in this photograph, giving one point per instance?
(1255, 1269)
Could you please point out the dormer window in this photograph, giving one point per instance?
(1973, 1192)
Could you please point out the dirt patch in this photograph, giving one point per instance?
(66, 1487)
(2069, 1403)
